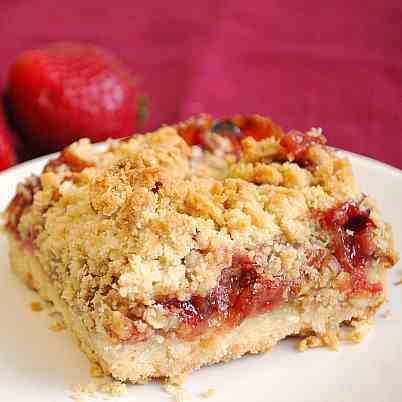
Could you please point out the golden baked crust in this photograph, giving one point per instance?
(129, 234)
(173, 358)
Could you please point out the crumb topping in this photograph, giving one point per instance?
(163, 215)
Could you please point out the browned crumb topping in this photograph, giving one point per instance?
(36, 306)
(152, 218)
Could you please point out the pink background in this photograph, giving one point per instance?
(335, 64)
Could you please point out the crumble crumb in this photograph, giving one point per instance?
(96, 371)
(109, 387)
(57, 326)
(112, 388)
(177, 391)
(54, 313)
(36, 306)
(359, 331)
(398, 283)
(331, 339)
(386, 314)
(29, 281)
(309, 342)
(208, 393)
(79, 391)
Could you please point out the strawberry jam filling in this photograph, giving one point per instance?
(241, 292)
(22, 200)
(73, 162)
(198, 132)
(294, 143)
(297, 144)
(353, 246)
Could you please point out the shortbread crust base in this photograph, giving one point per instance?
(173, 358)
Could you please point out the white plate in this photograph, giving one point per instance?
(38, 365)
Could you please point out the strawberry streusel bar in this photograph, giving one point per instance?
(199, 243)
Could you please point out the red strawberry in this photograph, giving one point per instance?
(7, 153)
(66, 91)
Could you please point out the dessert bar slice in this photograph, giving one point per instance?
(198, 243)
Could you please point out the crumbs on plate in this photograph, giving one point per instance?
(107, 387)
(57, 326)
(358, 331)
(177, 391)
(36, 306)
(208, 393)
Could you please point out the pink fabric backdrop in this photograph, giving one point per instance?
(336, 64)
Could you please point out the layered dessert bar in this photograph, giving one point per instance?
(199, 243)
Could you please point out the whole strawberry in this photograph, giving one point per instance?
(67, 91)
(7, 153)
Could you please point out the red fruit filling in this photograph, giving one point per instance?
(194, 133)
(23, 199)
(257, 127)
(66, 157)
(352, 231)
(241, 292)
(198, 132)
(295, 143)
